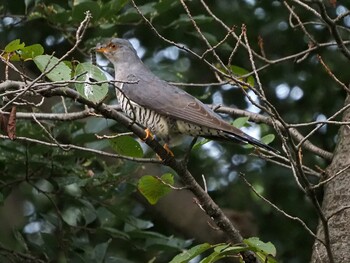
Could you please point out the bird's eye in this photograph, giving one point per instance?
(112, 46)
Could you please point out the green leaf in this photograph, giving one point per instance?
(117, 5)
(13, 46)
(213, 257)
(153, 188)
(163, 243)
(223, 251)
(157, 240)
(265, 258)
(228, 249)
(27, 4)
(144, 234)
(168, 178)
(241, 72)
(267, 139)
(113, 7)
(200, 143)
(255, 244)
(71, 216)
(80, 8)
(165, 5)
(126, 145)
(240, 122)
(185, 20)
(20, 239)
(99, 251)
(187, 255)
(131, 15)
(71, 180)
(133, 223)
(57, 14)
(88, 212)
(90, 73)
(60, 72)
(115, 233)
(238, 72)
(28, 52)
(73, 189)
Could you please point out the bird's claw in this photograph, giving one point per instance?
(166, 147)
(148, 135)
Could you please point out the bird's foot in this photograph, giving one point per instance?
(148, 135)
(166, 147)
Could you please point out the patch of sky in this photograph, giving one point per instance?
(28, 208)
(282, 26)
(251, 107)
(32, 227)
(227, 87)
(250, 2)
(341, 10)
(260, 13)
(212, 149)
(137, 46)
(53, 40)
(233, 175)
(296, 93)
(276, 3)
(171, 53)
(322, 117)
(238, 159)
(217, 98)
(282, 91)
(253, 131)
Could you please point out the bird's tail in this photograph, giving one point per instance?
(246, 139)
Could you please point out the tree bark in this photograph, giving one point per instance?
(336, 201)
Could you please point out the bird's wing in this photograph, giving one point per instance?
(156, 94)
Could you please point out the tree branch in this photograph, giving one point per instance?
(211, 208)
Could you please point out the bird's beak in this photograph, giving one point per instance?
(106, 48)
(101, 48)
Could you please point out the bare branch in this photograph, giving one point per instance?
(280, 210)
(68, 147)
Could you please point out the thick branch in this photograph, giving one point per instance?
(336, 196)
(258, 118)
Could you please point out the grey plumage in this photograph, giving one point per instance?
(163, 108)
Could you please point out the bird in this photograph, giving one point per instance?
(161, 108)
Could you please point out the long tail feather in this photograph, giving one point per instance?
(245, 138)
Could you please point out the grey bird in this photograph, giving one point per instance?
(166, 110)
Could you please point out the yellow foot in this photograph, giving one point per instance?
(148, 135)
(166, 147)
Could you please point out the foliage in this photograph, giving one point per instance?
(154, 188)
(69, 188)
(265, 251)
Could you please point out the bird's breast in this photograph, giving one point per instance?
(160, 125)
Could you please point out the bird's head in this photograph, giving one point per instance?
(116, 49)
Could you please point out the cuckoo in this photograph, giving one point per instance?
(165, 110)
